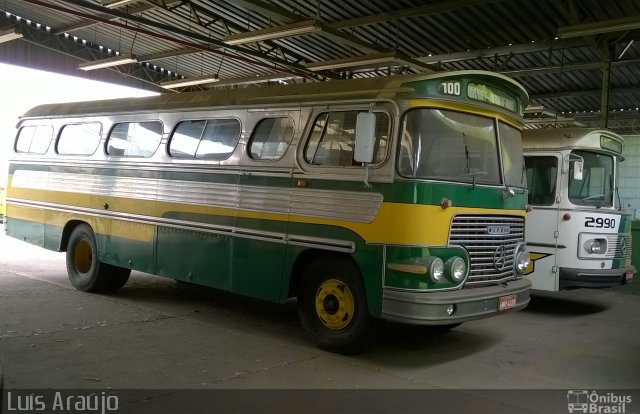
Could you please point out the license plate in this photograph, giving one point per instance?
(629, 275)
(507, 302)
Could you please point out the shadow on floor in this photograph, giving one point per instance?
(562, 306)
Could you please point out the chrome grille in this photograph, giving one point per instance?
(475, 234)
(618, 246)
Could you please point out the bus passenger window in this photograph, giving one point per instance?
(211, 139)
(271, 138)
(34, 139)
(79, 139)
(333, 137)
(542, 173)
(134, 139)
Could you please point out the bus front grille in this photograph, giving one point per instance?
(491, 242)
(618, 246)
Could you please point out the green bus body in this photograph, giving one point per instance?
(300, 219)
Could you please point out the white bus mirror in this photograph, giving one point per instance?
(365, 137)
(577, 170)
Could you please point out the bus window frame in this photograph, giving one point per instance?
(351, 169)
(195, 157)
(496, 120)
(15, 141)
(139, 121)
(61, 130)
(252, 136)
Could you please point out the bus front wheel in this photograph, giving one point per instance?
(332, 306)
(86, 272)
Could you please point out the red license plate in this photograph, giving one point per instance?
(507, 302)
(629, 275)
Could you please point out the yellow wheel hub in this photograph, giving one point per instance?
(82, 257)
(335, 305)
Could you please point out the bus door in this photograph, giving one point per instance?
(264, 198)
(544, 182)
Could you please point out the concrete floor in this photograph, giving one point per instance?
(156, 334)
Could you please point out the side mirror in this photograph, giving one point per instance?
(577, 170)
(365, 137)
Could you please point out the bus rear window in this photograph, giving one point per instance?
(134, 139)
(34, 139)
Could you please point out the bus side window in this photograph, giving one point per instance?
(79, 139)
(333, 138)
(271, 138)
(34, 139)
(541, 179)
(211, 139)
(134, 139)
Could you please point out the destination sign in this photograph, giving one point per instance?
(488, 94)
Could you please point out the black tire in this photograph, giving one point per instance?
(85, 271)
(117, 277)
(339, 321)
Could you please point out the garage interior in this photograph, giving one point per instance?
(579, 60)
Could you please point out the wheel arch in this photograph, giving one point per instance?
(66, 232)
(307, 257)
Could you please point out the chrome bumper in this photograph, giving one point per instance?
(430, 308)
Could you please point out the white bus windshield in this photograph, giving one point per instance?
(596, 186)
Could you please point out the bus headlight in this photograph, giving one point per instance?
(436, 269)
(596, 246)
(457, 268)
(522, 261)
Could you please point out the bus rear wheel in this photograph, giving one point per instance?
(332, 306)
(86, 272)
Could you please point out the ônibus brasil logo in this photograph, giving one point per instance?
(583, 401)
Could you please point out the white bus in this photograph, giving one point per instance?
(577, 232)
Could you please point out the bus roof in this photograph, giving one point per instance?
(572, 138)
(377, 88)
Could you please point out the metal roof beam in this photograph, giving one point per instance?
(586, 92)
(269, 10)
(502, 51)
(442, 7)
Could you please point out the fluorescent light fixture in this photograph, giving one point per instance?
(392, 58)
(118, 3)
(244, 80)
(9, 35)
(590, 29)
(107, 63)
(287, 30)
(196, 80)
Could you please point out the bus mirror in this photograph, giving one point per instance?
(577, 170)
(365, 137)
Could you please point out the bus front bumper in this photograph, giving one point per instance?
(594, 278)
(431, 308)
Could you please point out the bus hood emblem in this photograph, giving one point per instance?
(498, 230)
(500, 258)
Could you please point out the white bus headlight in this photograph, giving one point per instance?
(522, 261)
(457, 268)
(596, 246)
(436, 269)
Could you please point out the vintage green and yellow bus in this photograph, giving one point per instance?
(399, 198)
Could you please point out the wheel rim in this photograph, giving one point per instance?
(82, 257)
(335, 305)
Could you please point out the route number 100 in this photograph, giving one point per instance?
(451, 88)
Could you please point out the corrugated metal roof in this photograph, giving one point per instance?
(564, 77)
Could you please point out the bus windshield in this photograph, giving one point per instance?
(452, 146)
(596, 186)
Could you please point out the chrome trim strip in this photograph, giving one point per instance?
(328, 204)
(344, 246)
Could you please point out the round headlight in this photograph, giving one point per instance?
(457, 268)
(595, 246)
(436, 269)
(522, 261)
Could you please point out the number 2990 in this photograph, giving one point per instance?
(600, 223)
